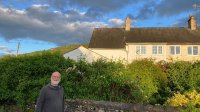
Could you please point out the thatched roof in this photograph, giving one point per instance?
(118, 37)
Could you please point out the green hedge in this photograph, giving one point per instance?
(183, 76)
(142, 81)
(23, 76)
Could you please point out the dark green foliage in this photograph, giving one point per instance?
(99, 80)
(183, 76)
(23, 76)
(194, 79)
(148, 79)
(142, 81)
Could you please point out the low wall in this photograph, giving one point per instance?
(104, 106)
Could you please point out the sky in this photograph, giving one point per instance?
(43, 24)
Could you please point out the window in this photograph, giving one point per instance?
(140, 49)
(174, 50)
(157, 49)
(193, 50)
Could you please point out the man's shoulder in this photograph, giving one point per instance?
(45, 87)
(61, 87)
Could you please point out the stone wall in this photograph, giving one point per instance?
(103, 106)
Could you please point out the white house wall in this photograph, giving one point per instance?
(132, 55)
(183, 54)
(113, 54)
(129, 53)
(82, 52)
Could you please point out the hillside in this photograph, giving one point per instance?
(61, 49)
(64, 49)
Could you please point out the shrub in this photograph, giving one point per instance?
(24, 76)
(194, 79)
(180, 76)
(148, 80)
(99, 80)
(187, 99)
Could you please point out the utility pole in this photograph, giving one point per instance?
(18, 48)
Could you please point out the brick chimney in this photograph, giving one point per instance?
(192, 23)
(127, 24)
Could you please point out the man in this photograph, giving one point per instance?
(51, 97)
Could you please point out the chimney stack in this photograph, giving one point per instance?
(127, 24)
(192, 23)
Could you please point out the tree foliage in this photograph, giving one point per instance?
(142, 81)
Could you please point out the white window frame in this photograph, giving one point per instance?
(175, 50)
(192, 50)
(140, 50)
(156, 50)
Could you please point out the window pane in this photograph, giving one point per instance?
(137, 49)
(195, 50)
(154, 50)
(172, 52)
(190, 50)
(177, 49)
(143, 50)
(159, 49)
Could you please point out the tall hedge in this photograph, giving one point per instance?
(99, 80)
(149, 81)
(142, 81)
(183, 76)
(23, 76)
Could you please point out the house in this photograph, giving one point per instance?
(173, 43)
(83, 53)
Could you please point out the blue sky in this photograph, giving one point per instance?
(44, 24)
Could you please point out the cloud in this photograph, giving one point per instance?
(75, 15)
(99, 8)
(165, 8)
(148, 10)
(5, 50)
(183, 22)
(93, 8)
(103, 5)
(174, 7)
(38, 23)
(116, 22)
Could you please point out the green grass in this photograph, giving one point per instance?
(65, 49)
(61, 49)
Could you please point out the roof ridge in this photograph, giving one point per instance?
(144, 28)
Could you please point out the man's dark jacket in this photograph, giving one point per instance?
(51, 99)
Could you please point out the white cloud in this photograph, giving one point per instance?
(5, 50)
(40, 5)
(40, 24)
(117, 22)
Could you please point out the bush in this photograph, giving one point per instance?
(194, 79)
(142, 81)
(99, 80)
(188, 99)
(24, 76)
(180, 76)
(148, 80)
